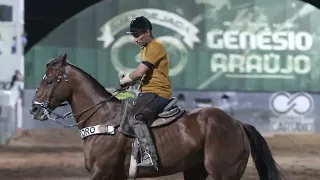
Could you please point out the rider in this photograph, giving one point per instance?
(155, 90)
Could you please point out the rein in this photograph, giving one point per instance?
(48, 111)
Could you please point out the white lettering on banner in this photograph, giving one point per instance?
(290, 125)
(156, 16)
(264, 40)
(159, 17)
(292, 112)
(262, 64)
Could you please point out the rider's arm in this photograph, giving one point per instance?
(139, 71)
(153, 55)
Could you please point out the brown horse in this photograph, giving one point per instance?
(200, 143)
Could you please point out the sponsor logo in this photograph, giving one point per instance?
(292, 112)
(282, 103)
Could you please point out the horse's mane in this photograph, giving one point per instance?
(97, 85)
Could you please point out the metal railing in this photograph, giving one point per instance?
(8, 123)
(10, 111)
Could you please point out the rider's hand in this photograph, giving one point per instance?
(125, 83)
(126, 80)
(121, 74)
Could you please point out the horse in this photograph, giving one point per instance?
(198, 142)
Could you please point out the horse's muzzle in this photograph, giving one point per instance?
(38, 112)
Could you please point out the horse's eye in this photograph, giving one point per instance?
(49, 82)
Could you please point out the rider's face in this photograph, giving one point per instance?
(141, 38)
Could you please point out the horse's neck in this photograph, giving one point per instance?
(87, 95)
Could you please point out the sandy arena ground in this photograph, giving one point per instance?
(32, 157)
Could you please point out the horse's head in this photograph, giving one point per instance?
(53, 89)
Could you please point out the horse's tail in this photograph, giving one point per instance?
(261, 155)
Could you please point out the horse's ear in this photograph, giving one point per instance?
(64, 59)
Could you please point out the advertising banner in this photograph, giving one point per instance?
(250, 45)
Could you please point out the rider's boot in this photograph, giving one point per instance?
(149, 156)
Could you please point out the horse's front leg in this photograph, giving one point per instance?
(107, 173)
(107, 162)
(108, 166)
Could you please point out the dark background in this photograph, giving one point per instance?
(42, 16)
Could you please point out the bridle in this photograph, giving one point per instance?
(48, 112)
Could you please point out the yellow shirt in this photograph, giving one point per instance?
(157, 78)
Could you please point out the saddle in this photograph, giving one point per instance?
(169, 114)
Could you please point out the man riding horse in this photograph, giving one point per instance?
(153, 71)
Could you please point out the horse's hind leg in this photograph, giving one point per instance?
(236, 171)
(231, 172)
(226, 158)
(196, 173)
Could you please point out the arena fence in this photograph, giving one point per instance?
(10, 114)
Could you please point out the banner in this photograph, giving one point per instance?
(216, 44)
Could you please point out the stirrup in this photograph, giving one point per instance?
(149, 160)
(145, 153)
